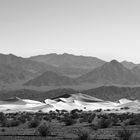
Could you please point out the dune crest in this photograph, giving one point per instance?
(73, 101)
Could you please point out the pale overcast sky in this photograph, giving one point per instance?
(107, 29)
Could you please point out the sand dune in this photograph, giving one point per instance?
(13, 101)
(74, 101)
(124, 101)
(132, 104)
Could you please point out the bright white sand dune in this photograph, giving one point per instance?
(98, 105)
(124, 101)
(80, 97)
(13, 101)
(75, 101)
(64, 106)
(49, 101)
(85, 98)
(32, 101)
(17, 104)
(132, 104)
(43, 108)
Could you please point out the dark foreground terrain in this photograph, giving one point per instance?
(74, 125)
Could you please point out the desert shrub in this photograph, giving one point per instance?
(2, 117)
(22, 118)
(114, 121)
(98, 110)
(44, 130)
(69, 121)
(58, 111)
(2, 130)
(84, 117)
(104, 123)
(94, 127)
(33, 123)
(91, 118)
(64, 111)
(125, 134)
(81, 120)
(47, 118)
(74, 115)
(83, 135)
(124, 108)
(135, 120)
(74, 111)
(10, 123)
(100, 123)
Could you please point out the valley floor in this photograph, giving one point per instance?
(62, 131)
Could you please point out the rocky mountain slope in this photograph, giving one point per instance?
(69, 60)
(50, 78)
(111, 73)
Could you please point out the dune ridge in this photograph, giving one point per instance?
(75, 101)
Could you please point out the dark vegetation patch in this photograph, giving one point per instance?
(75, 124)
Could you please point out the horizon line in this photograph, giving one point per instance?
(65, 53)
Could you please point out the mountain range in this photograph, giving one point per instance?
(109, 73)
(15, 69)
(50, 78)
(66, 69)
(118, 83)
(68, 60)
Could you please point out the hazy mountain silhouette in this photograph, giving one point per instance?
(50, 78)
(24, 63)
(52, 69)
(111, 73)
(68, 60)
(136, 71)
(113, 93)
(9, 74)
(129, 65)
(13, 68)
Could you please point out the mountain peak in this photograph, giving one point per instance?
(128, 65)
(136, 67)
(114, 61)
(111, 73)
(69, 60)
(10, 54)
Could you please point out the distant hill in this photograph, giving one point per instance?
(111, 73)
(69, 61)
(113, 93)
(34, 94)
(66, 69)
(50, 78)
(136, 71)
(129, 65)
(26, 64)
(72, 71)
(14, 69)
(108, 93)
(9, 74)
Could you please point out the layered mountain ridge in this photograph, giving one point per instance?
(69, 60)
(50, 78)
(109, 73)
(66, 69)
